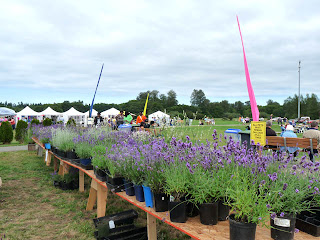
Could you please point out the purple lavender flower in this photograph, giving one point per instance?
(273, 215)
(268, 206)
(282, 214)
(296, 230)
(285, 186)
(297, 190)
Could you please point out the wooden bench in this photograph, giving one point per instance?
(274, 142)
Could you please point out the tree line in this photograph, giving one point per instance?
(199, 107)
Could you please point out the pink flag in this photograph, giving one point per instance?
(254, 107)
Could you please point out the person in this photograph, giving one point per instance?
(128, 118)
(269, 130)
(13, 123)
(141, 118)
(98, 119)
(289, 133)
(313, 132)
(119, 118)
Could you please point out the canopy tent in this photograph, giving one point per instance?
(94, 113)
(79, 117)
(159, 117)
(110, 112)
(27, 111)
(6, 112)
(50, 112)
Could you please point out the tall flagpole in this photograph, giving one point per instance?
(91, 107)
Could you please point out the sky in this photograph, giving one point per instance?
(53, 51)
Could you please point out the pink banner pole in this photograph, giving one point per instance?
(253, 103)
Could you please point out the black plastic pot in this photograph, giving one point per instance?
(114, 184)
(209, 213)
(121, 218)
(68, 186)
(138, 191)
(71, 155)
(128, 187)
(223, 211)
(160, 202)
(309, 222)
(100, 174)
(178, 212)
(241, 230)
(134, 234)
(282, 228)
(192, 209)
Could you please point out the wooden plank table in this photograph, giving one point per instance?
(193, 227)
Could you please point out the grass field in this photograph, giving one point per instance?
(32, 208)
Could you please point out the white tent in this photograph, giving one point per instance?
(159, 116)
(94, 113)
(6, 112)
(27, 111)
(110, 112)
(50, 112)
(79, 117)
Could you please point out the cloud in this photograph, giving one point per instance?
(163, 45)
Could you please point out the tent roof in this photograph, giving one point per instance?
(111, 111)
(6, 112)
(27, 111)
(73, 112)
(94, 112)
(50, 111)
(159, 114)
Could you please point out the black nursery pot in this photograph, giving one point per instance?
(241, 230)
(223, 211)
(209, 213)
(282, 228)
(71, 155)
(128, 187)
(160, 202)
(100, 174)
(178, 212)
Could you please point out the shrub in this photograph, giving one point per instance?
(6, 132)
(71, 121)
(47, 122)
(35, 121)
(21, 130)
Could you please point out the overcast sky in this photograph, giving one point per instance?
(52, 51)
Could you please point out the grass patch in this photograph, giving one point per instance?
(32, 208)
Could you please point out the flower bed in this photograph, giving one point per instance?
(255, 186)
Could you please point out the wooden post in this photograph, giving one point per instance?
(101, 201)
(92, 195)
(55, 163)
(81, 181)
(49, 158)
(152, 227)
(66, 168)
(40, 151)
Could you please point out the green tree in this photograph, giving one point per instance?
(21, 130)
(197, 97)
(47, 122)
(6, 132)
(171, 99)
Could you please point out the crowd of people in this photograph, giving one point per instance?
(10, 120)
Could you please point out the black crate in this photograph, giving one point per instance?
(309, 223)
(126, 217)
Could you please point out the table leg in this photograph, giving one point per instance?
(92, 195)
(65, 168)
(101, 201)
(55, 164)
(49, 158)
(152, 227)
(81, 181)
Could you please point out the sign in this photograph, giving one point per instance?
(258, 132)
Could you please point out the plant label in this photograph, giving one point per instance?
(111, 224)
(171, 198)
(281, 222)
(162, 198)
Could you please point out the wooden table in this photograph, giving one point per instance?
(193, 227)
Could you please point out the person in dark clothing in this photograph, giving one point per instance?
(269, 130)
(98, 119)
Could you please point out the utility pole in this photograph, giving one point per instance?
(299, 92)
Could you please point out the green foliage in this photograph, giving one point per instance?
(71, 122)
(230, 116)
(35, 121)
(83, 150)
(21, 131)
(6, 132)
(47, 122)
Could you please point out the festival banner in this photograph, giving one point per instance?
(145, 106)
